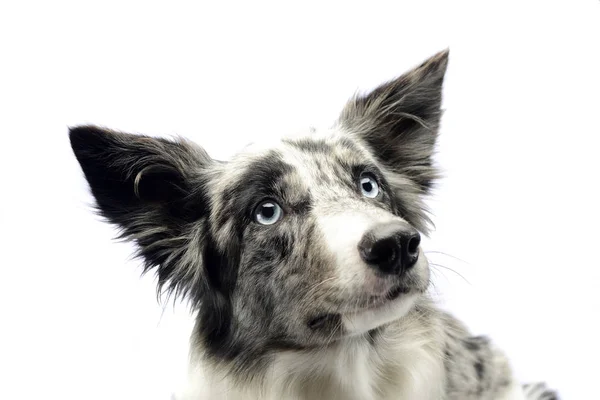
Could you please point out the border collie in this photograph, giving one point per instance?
(302, 258)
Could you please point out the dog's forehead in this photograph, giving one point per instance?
(303, 151)
(265, 145)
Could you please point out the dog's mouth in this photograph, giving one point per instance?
(396, 291)
(373, 303)
(392, 294)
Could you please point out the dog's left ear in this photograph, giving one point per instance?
(399, 120)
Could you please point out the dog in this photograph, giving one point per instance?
(302, 258)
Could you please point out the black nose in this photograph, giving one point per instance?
(391, 248)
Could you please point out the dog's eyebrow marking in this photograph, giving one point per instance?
(262, 174)
(302, 206)
(262, 177)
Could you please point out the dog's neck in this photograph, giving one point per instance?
(407, 352)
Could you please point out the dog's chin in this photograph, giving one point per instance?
(396, 304)
(377, 311)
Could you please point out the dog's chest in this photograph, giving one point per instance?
(401, 364)
(359, 370)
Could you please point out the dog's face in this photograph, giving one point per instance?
(290, 245)
(323, 238)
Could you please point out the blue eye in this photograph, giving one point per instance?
(267, 213)
(369, 186)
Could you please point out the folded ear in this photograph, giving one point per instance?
(399, 120)
(154, 190)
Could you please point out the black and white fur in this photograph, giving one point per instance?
(269, 249)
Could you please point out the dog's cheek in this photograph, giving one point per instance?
(215, 316)
(216, 310)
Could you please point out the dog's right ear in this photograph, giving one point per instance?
(154, 190)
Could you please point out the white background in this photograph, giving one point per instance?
(519, 147)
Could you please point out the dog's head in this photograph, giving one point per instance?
(305, 241)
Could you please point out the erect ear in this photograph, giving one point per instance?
(154, 191)
(399, 120)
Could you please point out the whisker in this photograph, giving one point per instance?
(447, 255)
(432, 284)
(450, 269)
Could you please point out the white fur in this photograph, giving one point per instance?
(406, 366)
(363, 321)
(352, 371)
(341, 234)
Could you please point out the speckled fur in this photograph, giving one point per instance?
(289, 310)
